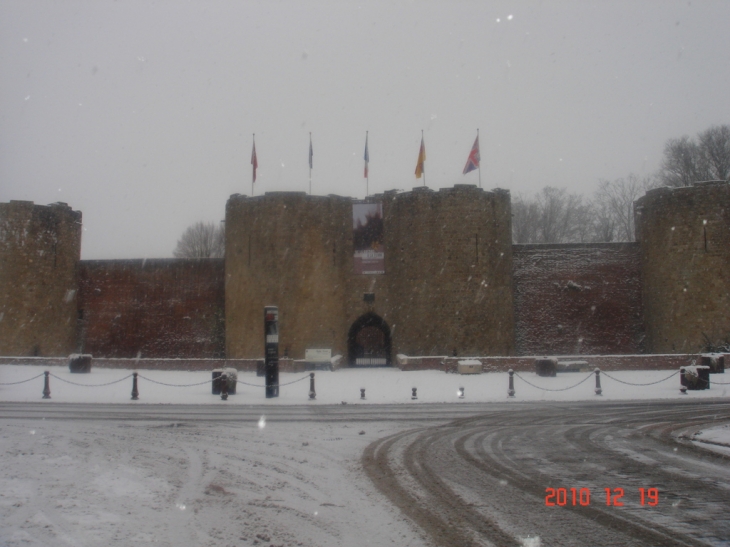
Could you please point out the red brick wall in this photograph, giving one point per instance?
(192, 364)
(152, 308)
(577, 299)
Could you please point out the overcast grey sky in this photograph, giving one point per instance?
(140, 113)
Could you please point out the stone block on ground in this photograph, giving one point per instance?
(546, 367)
(216, 385)
(79, 363)
(469, 366)
(573, 366)
(715, 361)
(696, 378)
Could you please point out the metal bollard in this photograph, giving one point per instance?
(598, 381)
(511, 391)
(224, 386)
(414, 394)
(312, 393)
(682, 382)
(362, 393)
(135, 391)
(47, 386)
(461, 393)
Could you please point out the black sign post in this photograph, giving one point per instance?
(271, 350)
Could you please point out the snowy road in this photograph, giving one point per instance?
(484, 480)
(351, 475)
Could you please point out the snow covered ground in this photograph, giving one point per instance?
(256, 480)
(188, 482)
(716, 439)
(382, 385)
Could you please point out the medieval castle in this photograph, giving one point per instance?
(441, 277)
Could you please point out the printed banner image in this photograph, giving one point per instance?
(367, 237)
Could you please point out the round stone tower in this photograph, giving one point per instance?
(286, 249)
(40, 248)
(684, 236)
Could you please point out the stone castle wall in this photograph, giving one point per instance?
(40, 248)
(152, 308)
(453, 282)
(684, 235)
(578, 299)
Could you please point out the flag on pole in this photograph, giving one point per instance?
(472, 161)
(367, 155)
(420, 167)
(311, 153)
(254, 161)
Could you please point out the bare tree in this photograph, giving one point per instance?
(560, 216)
(714, 144)
(603, 224)
(551, 216)
(525, 219)
(613, 207)
(680, 166)
(687, 160)
(201, 240)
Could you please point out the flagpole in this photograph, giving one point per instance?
(253, 174)
(367, 179)
(480, 161)
(424, 161)
(310, 163)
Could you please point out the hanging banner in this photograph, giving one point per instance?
(367, 236)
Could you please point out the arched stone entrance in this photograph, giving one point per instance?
(368, 342)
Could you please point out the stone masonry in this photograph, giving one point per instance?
(447, 284)
(684, 234)
(40, 248)
(454, 285)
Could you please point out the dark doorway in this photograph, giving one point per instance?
(368, 342)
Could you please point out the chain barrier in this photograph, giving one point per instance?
(308, 376)
(548, 389)
(647, 384)
(144, 378)
(89, 385)
(720, 383)
(277, 385)
(21, 382)
(173, 385)
(210, 380)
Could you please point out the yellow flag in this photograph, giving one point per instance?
(421, 160)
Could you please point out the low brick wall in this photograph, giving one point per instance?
(527, 364)
(242, 365)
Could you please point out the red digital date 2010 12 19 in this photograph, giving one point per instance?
(582, 496)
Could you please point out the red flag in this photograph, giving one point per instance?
(254, 161)
(472, 161)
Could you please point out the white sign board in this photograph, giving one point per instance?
(318, 355)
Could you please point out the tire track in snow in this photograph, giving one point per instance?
(440, 477)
